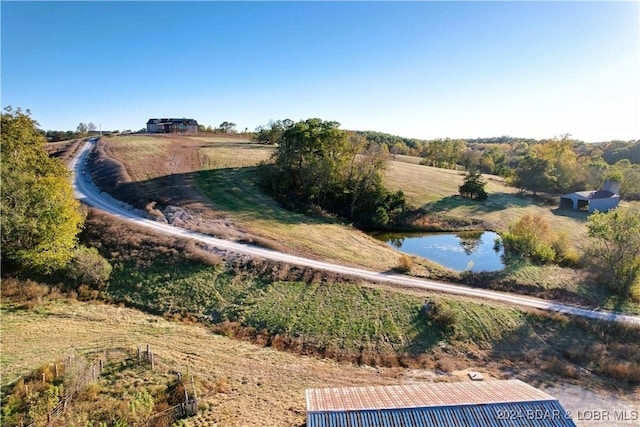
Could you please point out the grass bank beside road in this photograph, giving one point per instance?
(307, 312)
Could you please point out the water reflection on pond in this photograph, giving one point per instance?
(475, 251)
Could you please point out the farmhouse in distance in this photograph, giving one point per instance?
(172, 126)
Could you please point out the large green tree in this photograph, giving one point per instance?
(615, 247)
(40, 217)
(310, 155)
(316, 163)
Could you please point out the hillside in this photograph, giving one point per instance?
(240, 384)
(404, 335)
(214, 180)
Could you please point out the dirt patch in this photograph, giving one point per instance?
(597, 408)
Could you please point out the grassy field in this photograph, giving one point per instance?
(243, 384)
(436, 190)
(224, 170)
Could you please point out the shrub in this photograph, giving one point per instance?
(623, 371)
(560, 367)
(89, 267)
(566, 255)
(405, 263)
(531, 237)
(443, 316)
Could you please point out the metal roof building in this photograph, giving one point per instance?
(490, 403)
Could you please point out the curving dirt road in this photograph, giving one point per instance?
(87, 193)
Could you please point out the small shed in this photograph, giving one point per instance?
(597, 200)
(489, 403)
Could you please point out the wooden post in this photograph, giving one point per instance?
(93, 372)
(193, 385)
(101, 365)
(148, 350)
(56, 369)
(139, 354)
(69, 362)
(153, 365)
(44, 378)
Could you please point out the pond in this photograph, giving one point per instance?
(474, 251)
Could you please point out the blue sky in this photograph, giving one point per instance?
(416, 69)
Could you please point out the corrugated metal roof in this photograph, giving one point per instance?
(530, 414)
(422, 394)
(591, 195)
(490, 403)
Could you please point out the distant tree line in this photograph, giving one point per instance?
(224, 127)
(557, 165)
(316, 165)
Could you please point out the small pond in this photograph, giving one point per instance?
(474, 251)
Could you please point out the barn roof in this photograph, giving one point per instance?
(428, 404)
(591, 195)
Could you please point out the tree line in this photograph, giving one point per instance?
(556, 165)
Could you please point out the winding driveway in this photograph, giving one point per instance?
(87, 192)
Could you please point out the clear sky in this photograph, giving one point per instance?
(416, 69)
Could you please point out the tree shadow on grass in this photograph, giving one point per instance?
(232, 190)
(495, 202)
(579, 215)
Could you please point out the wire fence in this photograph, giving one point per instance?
(81, 372)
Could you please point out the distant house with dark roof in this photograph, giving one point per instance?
(172, 126)
(488, 403)
(598, 200)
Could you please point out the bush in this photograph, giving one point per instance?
(562, 368)
(531, 237)
(89, 267)
(405, 263)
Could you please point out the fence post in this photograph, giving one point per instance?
(101, 365)
(148, 350)
(44, 378)
(153, 365)
(139, 354)
(56, 369)
(193, 386)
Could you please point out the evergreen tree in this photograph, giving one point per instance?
(473, 186)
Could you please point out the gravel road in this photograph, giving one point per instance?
(87, 192)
